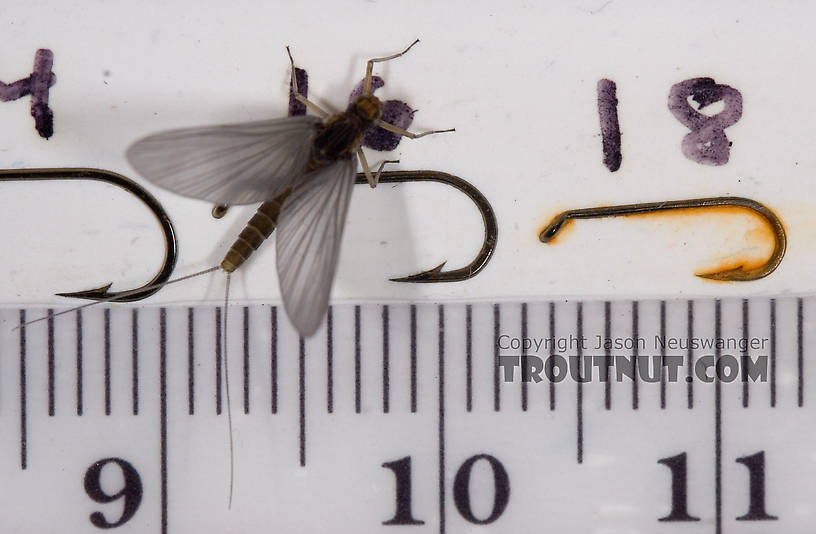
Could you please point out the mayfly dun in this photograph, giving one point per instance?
(302, 169)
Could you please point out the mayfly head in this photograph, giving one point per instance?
(368, 108)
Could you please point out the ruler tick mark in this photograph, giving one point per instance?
(635, 354)
(218, 357)
(663, 355)
(191, 360)
(552, 354)
(273, 357)
(800, 352)
(302, 400)
(441, 428)
(79, 362)
(525, 371)
(329, 362)
(579, 391)
(163, 415)
(246, 358)
(386, 376)
(469, 357)
(496, 334)
(717, 421)
(690, 356)
(608, 354)
(773, 353)
(413, 328)
(107, 358)
(134, 353)
(51, 364)
(357, 362)
(23, 395)
(745, 332)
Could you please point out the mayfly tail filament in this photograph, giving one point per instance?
(227, 392)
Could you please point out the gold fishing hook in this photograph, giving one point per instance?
(737, 274)
(491, 227)
(109, 177)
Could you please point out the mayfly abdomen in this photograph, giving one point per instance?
(259, 227)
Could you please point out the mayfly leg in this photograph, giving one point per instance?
(370, 66)
(373, 179)
(300, 98)
(405, 133)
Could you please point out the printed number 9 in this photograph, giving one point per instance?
(131, 491)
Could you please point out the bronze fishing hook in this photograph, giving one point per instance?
(491, 227)
(737, 274)
(109, 177)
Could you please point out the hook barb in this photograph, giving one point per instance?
(100, 175)
(736, 274)
(491, 228)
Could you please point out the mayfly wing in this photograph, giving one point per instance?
(230, 164)
(310, 229)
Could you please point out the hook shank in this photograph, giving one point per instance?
(740, 273)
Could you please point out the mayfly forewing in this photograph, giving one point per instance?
(228, 164)
(310, 228)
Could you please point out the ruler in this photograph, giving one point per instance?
(399, 417)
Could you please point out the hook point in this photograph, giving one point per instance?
(90, 294)
(737, 274)
(430, 275)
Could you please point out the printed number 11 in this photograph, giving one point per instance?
(755, 464)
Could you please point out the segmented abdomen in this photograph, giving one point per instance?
(259, 227)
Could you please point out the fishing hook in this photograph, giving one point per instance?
(491, 227)
(737, 274)
(109, 177)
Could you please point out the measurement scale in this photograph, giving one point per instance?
(400, 415)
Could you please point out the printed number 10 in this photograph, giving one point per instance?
(461, 491)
